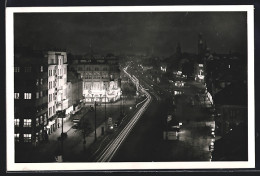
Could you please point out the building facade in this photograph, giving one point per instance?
(74, 92)
(39, 85)
(101, 78)
(57, 88)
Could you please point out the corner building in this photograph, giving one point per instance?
(101, 78)
(57, 88)
(39, 84)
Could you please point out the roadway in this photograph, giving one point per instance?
(145, 142)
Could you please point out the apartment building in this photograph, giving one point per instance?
(40, 81)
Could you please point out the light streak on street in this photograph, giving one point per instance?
(110, 150)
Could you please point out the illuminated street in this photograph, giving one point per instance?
(130, 87)
(194, 136)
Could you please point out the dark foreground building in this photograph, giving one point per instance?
(40, 83)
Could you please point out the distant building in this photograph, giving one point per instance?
(224, 70)
(74, 91)
(101, 78)
(199, 73)
(39, 92)
(231, 103)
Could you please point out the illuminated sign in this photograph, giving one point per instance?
(201, 76)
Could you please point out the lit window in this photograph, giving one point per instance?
(41, 69)
(41, 119)
(37, 82)
(16, 69)
(37, 121)
(27, 122)
(27, 96)
(16, 122)
(16, 95)
(16, 137)
(45, 118)
(50, 111)
(37, 95)
(41, 81)
(27, 137)
(27, 69)
(40, 93)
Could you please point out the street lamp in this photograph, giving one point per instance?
(105, 108)
(121, 104)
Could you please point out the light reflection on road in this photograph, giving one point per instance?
(110, 150)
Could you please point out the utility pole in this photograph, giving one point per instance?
(95, 122)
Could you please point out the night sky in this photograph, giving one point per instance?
(124, 33)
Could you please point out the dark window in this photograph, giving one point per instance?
(28, 69)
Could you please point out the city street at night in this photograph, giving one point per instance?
(131, 87)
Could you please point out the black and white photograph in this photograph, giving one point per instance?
(132, 88)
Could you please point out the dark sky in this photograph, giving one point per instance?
(132, 32)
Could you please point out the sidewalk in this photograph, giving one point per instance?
(73, 144)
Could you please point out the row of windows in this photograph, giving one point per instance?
(39, 94)
(51, 72)
(95, 69)
(26, 69)
(26, 95)
(26, 137)
(39, 82)
(52, 84)
(29, 95)
(51, 110)
(96, 77)
(28, 122)
(60, 72)
(52, 97)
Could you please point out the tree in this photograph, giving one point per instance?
(84, 127)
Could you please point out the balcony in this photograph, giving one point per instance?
(62, 105)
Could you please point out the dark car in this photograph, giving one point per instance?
(91, 108)
(76, 126)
